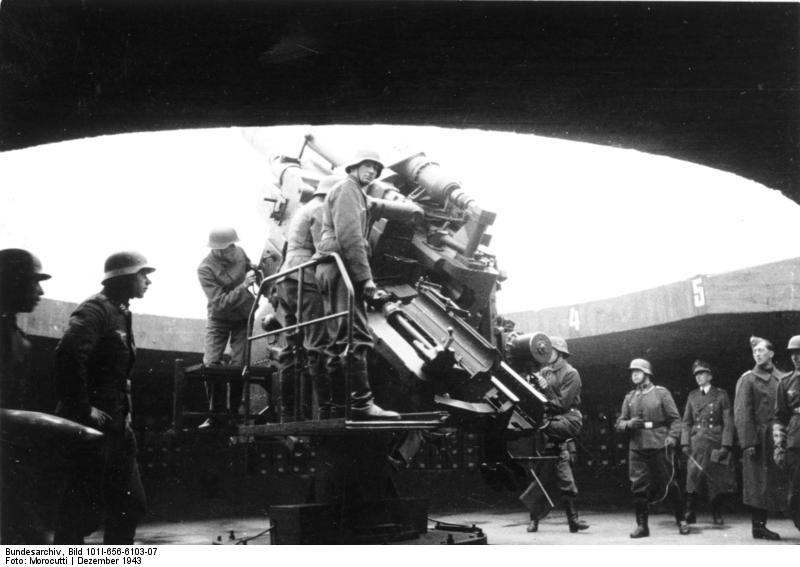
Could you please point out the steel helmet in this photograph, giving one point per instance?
(327, 183)
(794, 343)
(125, 264)
(559, 344)
(222, 237)
(641, 364)
(363, 155)
(700, 366)
(17, 265)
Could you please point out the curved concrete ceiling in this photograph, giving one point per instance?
(711, 83)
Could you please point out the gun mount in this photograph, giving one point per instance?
(437, 359)
(434, 316)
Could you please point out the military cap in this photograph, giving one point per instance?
(701, 366)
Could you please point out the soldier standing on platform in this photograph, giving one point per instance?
(225, 275)
(764, 484)
(561, 384)
(706, 440)
(653, 423)
(303, 235)
(345, 226)
(786, 429)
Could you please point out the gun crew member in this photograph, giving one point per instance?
(764, 484)
(706, 440)
(305, 230)
(20, 290)
(345, 227)
(653, 423)
(225, 275)
(94, 365)
(786, 429)
(561, 384)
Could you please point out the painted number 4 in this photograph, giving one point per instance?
(574, 319)
(698, 293)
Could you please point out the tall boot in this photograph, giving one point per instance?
(575, 524)
(677, 508)
(716, 510)
(362, 405)
(321, 383)
(760, 530)
(283, 393)
(642, 530)
(533, 525)
(690, 515)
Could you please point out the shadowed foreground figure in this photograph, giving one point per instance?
(94, 365)
(20, 289)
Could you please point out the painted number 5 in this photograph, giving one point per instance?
(698, 293)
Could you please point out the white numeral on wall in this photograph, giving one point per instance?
(698, 293)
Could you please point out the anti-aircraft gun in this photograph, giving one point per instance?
(435, 318)
(437, 348)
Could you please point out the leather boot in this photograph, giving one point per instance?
(716, 511)
(677, 507)
(283, 393)
(362, 406)
(321, 383)
(533, 526)
(642, 530)
(760, 530)
(691, 505)
(575, 524)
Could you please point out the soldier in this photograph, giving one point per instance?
(345, 227)
(303, 235)
(20, 289)
(94, 365)
(706, 440)
(786, 429)
(653, 423)
(765, 485)
(225, 275)
(561, 384)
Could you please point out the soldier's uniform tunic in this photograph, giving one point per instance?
(649, 462)
(764, 484)
(708, 425)
(787, 412)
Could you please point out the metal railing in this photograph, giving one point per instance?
(264, 289)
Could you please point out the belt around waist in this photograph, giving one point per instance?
(701, 426)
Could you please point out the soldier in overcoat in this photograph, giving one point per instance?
(706, 440)
(764, 484)
(653, 423)
(786, 429)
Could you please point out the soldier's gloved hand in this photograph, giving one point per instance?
(685, 450)
(636, 423)
(541, 381)
(369, 288)
(98, 417)
(724, 452)
(751, 453)
(670, 442)
(779, 456)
